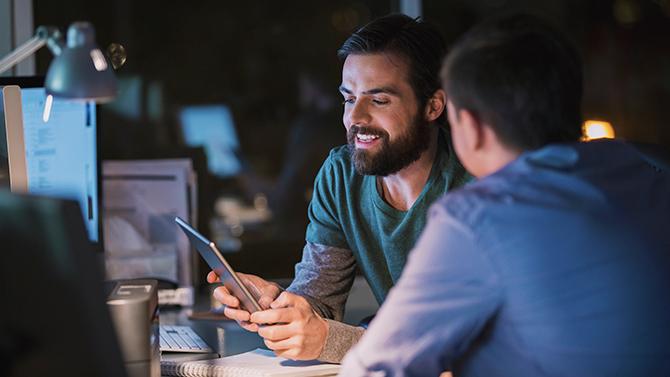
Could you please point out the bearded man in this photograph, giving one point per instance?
(370, 197)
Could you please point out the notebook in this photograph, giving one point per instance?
(256, 363)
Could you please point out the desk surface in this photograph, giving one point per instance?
(226, 337)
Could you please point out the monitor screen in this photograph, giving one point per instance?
(60, 146)
(212, 127)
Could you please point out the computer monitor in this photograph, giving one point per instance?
(212, 127)
(54, 318)
(56, 153)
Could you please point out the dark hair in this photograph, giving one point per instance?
(521, 76)
(412, 39)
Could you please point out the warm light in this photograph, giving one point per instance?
(47, 108)
(596, 129)
(98, 60)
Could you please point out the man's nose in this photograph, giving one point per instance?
(358, 114)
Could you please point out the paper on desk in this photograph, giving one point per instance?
(258, 363)
(141, 199)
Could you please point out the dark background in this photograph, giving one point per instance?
(248, 55)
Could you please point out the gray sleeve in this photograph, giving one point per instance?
(324, 277)
(341, 337)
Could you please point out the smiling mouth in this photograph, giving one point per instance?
(366, 138)
(366, 141)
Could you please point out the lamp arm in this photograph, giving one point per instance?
(43, 36)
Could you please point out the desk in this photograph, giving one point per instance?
(225, 337)
(228, 338)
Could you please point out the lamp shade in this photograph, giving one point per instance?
(80, 71)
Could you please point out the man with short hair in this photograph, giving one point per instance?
(370, 197)
(555, 262)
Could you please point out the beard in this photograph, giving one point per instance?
(390, 157)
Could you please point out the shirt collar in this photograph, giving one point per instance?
(556, 156)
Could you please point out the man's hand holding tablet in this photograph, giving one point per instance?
(266, 292)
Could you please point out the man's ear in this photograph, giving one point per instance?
(472, 129)
(436, 105)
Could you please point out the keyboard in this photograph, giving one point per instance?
(181, 339)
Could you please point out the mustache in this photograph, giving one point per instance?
(354, 130)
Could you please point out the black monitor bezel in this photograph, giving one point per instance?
(38, 82)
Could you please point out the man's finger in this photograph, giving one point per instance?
(268, 295)
(272, 316)
(249, 326)
(276, 332)
(236, 314)
(264, 291)
(281, 345)
(284, 300)
(222, 295)
(212, 277)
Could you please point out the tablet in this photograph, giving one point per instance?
(218, 264)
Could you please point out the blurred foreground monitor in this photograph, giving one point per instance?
(54, 320)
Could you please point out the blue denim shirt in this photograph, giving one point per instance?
(556, 265)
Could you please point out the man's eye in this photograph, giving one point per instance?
(348, 101)
(380, 101)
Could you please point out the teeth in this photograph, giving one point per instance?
(365, 137)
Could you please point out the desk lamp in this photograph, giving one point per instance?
(79, 70)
